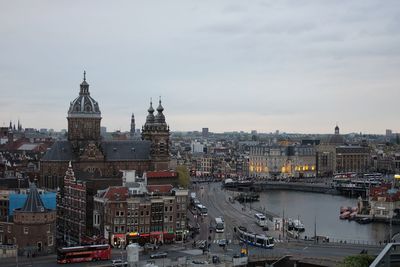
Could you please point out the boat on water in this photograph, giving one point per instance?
(353, 215)
(250, 197)
(364, 220)
(296, 225)
(343, 209)
(345, 215)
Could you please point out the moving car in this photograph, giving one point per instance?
(159, 255)
(222, 243)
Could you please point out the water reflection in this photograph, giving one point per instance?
(325, 210)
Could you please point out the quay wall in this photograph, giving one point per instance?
(303, 187)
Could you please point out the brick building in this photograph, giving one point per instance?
(353, 159)
(32, 227)
(71, 210)
(95, 157)
(158, 216)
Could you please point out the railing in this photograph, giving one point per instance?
(389, 256)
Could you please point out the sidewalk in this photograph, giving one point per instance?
(246, 211)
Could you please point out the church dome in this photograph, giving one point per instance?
(160, 118)
(84, 105)
(150, 116)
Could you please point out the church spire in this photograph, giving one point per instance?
(160, 118)
(133, 126)
(84, 85)
(150, 116)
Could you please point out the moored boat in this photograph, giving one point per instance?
(345, 215)
(364, 220)
(343, 209)
(353, 215)
(296, 225)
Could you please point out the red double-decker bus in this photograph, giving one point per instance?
(83, 253)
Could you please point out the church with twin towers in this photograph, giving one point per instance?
(92, 157)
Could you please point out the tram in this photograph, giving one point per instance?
(253, 239)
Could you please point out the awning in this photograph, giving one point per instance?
(169, 236)
(156, 233)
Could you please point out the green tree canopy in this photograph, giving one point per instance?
(183, 175)
(362, 260)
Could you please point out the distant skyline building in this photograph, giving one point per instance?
(204, 132)
(133, 125)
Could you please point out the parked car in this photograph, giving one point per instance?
(159, 255)
(119, 263)
(199, 262)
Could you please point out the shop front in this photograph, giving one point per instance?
(156, 237)
(118, 240)
(132, 237)
(168, 237)
(144, 238)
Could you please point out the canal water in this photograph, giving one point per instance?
(323, 211)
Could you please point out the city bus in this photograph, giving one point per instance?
(260, 219)
(83, 253)
(219, 225)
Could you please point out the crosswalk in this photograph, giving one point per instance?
(200, 243)
(216, 241)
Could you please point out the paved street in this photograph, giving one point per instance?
(218, 204)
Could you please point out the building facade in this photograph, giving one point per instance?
(32, 227)
(98, 158)
(157, 217)
(71, 210)
(282, 161)
(353, 159)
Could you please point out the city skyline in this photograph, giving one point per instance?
(294, 66)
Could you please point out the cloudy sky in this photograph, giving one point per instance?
(297, 66)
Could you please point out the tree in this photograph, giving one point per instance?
(362, 260)
(183, 175)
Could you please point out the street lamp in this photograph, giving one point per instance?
(16, 254)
